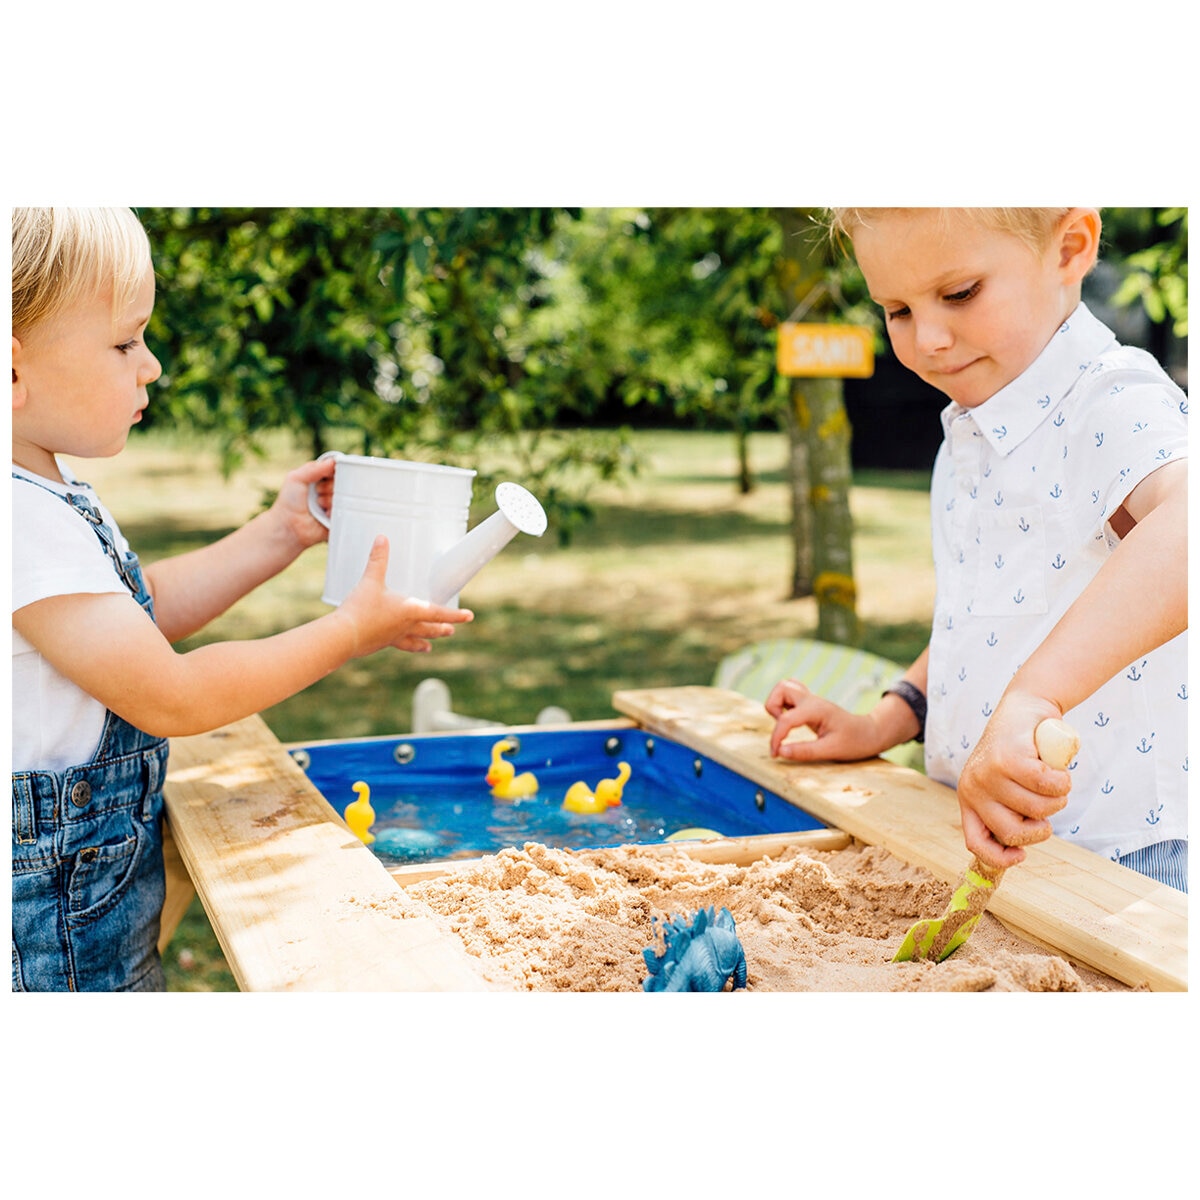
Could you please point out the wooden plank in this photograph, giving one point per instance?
(1084, 906)
(295, 899)
(180, 889)
(740, 852)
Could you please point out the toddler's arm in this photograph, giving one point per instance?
(842, 736)
(107, 645)
(192, 589)
(1136, 602)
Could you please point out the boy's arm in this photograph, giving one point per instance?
(1136, 602)
(192, 589)
(108, 646)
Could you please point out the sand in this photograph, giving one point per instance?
(541, 919)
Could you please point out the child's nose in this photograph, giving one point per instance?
(151, 370)
(933, 335)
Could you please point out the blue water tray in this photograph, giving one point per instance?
(432, 802)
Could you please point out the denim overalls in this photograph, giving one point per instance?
(87, 868)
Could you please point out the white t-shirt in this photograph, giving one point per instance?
(1022, 493)
(55, 552)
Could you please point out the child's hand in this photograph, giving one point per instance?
(841, 736)
(384, 618)
(1005, 792)
(291, 505)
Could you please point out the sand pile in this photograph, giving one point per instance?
(540, 919)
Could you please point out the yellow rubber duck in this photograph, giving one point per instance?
(360, 816)
(502, 776)
(581, 799)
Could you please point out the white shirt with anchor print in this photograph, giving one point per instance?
(1022, 491)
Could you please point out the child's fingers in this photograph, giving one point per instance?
(784, 695)
(377, 560)
(317, 469)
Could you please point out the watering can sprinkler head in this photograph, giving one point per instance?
(518, 511)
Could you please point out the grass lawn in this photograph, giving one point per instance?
(676, 571)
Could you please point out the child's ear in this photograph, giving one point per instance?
(1078, 243)
(18, 385)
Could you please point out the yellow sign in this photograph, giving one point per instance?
(825, 351)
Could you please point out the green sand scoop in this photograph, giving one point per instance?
(1057, 744)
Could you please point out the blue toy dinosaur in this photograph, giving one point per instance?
(699, 956)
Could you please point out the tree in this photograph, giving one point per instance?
(267, 319)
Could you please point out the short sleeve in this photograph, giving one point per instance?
(55, 552)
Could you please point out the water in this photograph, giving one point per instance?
(432, 802)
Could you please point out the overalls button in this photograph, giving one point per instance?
(81, 793)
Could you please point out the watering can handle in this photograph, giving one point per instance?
(314, 505)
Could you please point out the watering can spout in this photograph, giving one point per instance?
(518, 511)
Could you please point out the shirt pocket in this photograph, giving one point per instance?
(1010, 580)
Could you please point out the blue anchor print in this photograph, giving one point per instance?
(1099, 440)
(974, 492)
(1059, 420)
(987, 709)
(1185, 762)
(999, 499)
(1043, 402)
(1059, 562)
(987, 471)
(962, 674)
(999, 562)
(1056, 491)
(1135, 672)
(1182, 693)
(1152, 817)
(1183, 407)
(1145, 745)
(1107, 789)
(1163, 454)
(1019, 596)
(1117, 389)
(1001, 432)
(1023, 525)
(1095, 497)
(1115, 856)
(965, 742)
(1101, 720)
(1138, 426)
(1074, 830)
(1125, 471)
(992, 639)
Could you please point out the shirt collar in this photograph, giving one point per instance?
(1017, 409)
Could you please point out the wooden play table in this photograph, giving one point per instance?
(289, 889)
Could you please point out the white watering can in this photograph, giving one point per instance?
(423, 509)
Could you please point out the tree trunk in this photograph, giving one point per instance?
(819, 434)
(798, 481)
(829, 497)
(745, 474)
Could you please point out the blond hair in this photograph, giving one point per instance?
(1034, 226)
(61, 255)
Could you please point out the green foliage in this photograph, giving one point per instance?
(266, 319)
(1154, 263)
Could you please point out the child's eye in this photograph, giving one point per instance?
(968, 293)
(125, 347)
(896, 314)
